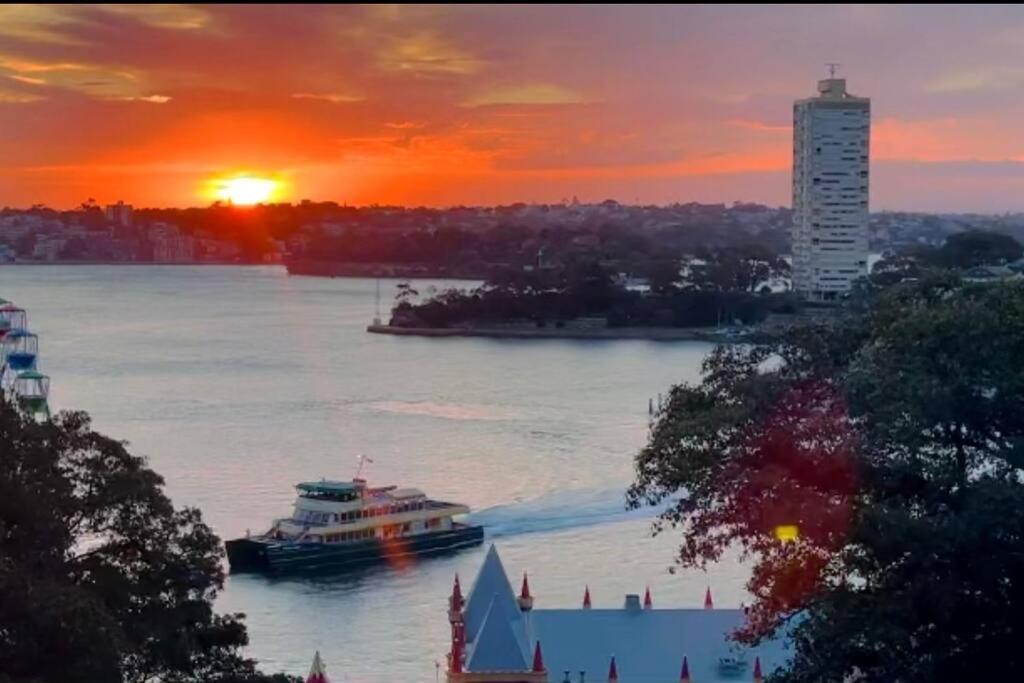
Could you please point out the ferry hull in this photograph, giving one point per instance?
(274, 557)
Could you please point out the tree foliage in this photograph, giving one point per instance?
(101, 578)
(892, 441)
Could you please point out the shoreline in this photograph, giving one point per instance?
(604, 333)
(134, 263)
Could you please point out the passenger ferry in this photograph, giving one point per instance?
(341, 524)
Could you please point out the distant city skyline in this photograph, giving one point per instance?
(483, 105)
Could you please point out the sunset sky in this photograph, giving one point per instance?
(497, 104)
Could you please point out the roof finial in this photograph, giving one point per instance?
(586, 597)
(648, 603)
(613, 672)
(708, 602)
(538, 659)
(758, 677)
(317, 672)
(684, 674)
(832, 68)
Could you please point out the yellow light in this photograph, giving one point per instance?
(787, 533)
(246, 190)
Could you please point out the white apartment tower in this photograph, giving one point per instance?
(831, 134)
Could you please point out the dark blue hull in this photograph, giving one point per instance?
(274, 557)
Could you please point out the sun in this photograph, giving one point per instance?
(246, 190)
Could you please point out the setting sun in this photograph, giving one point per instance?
(246, 190)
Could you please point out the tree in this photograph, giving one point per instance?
(871, 469)
(978, 248)
(742, 268)
(101, 578)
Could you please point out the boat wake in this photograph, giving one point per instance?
(560, 510)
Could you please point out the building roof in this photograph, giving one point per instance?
(499, 644)
(491, 584)
(648, 644)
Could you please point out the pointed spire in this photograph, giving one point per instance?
(684, 674)
(758, 677)
(586, 597)
(613, 672)
(525, 600)
(538, 659)
(708, 602)
(457, 601)
(648, 603)
(317, 672)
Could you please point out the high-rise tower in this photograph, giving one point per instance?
(831, 134)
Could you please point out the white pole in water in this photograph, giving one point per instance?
(376, 317)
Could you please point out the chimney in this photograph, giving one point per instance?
(525, 599)
(648, 603)
(632, 602)
(586, 597)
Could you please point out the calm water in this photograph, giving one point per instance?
(239, 382)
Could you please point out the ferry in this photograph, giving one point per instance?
(343, 524)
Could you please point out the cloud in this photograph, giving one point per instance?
(526, 93)
(425, 53)
(167, 16)
(993, 78)
(336, 98)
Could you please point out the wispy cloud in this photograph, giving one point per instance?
(328, 97)
(425, 53)
(994, 78)
(526, 93)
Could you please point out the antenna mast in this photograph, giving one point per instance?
(832, 68)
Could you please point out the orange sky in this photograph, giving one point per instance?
(497, 104)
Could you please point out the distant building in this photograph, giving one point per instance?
(497, 637)
(830, 190)
(120, 213)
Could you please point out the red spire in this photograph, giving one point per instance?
(684, 675)
(648, 603)
(538, 659)
(455, 659)
(613, 672)
(317, 672)
(758, 677)
(525, 592)
(708, 602)
(586, 597)
(456, 601)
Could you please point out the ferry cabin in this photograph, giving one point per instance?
(343, 512)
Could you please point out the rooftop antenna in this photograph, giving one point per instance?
(832, 67)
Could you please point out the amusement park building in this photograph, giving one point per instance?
(500, 638)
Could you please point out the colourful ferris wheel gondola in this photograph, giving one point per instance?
(12, 318)
(32, 390)
(20, 350)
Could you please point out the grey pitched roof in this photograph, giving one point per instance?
(491, 584)
(649, 644)
(499, 644)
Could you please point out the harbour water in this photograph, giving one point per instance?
(238, 382)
